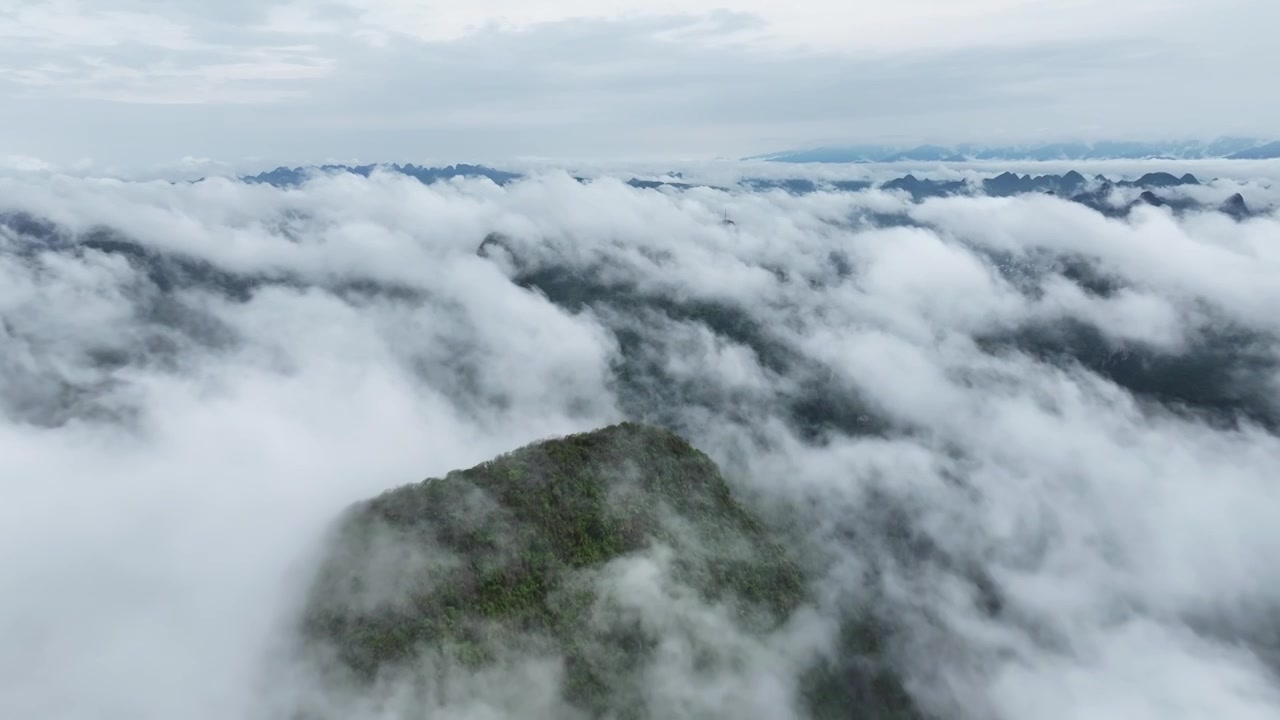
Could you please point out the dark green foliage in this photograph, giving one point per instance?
(853, 684)
(815, 406)
(1221, 378)
(500, 559)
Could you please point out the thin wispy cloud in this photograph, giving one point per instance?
(299, 80)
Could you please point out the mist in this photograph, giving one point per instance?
(1042, 442)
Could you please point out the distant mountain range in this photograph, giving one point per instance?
(1228, 148)
(1096, 192)
(289, 177)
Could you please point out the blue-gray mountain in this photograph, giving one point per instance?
(289, 177)
(1233, 148)
(1096, 192)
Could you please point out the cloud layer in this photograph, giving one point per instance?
(1043, 441)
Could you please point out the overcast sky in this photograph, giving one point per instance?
(105, 83)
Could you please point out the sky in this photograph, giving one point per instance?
(128, 83)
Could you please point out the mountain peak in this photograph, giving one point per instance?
(1235, 206)
(1149, 198)
(1229, 148)
(511, 556)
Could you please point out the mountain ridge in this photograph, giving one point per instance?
(1222, 148)
(1095, 192)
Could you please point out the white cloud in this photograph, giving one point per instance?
(63, 24)
(929, 25)
(23, 163)
(170, 458)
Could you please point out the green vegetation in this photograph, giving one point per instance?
(507, 557)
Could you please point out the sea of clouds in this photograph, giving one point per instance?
(197, 378)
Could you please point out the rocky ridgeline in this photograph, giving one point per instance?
(1093, 192)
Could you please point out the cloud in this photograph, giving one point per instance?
(199, 377)
(65, 25)
(23, 163)
(392, 80)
